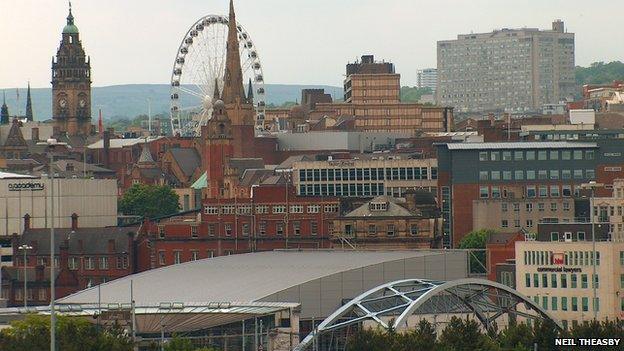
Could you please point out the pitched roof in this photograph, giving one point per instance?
(146, 155)
(254, 176)
(241, 164)
(15, 137)
(393, 209)
(201, 182)
(94, 240)
(187, 158)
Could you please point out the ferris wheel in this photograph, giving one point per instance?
(199, 63)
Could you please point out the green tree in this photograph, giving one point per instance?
(599, 73)
(465, 335)
(149, 201)
(413, 94)
(476, 240)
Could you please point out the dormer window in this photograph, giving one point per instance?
(378, 206)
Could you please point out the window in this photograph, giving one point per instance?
(245, 229)
(516, 207)
(518, 155)
(484, 192)
(527, 280)
(331, 208)
(529, 206)
(279, 209)
(578, 174)
(495, 175)
(211, 209)
(554, 174)
(483, 156)
(564, 280)
(193, 231)
(583, 281)
(296, 228)
(506, 155)
(262, 228)
(529, 223)
(504, 223)
(496, 192)
(544, 280)
(553, 206)
(554, 236)
(194, 255)
(161, 258)
(530, 155)
(596, 281)
(540, 206)
(519, 175)
(262, 209)
(585, 304)
(228, 228)
(161, 232)
(228, 209)
(279, 228)
(212, 229)
(177, 257)
(103, 262)
(313, 228)
(575, 304)
(483, 175)
(43, 295)
(530, 175)
(589, 155)
(543, 191)
(314, 208)
(566, 155)
(564, 303)
(545, 302)
(296, 208)
(372, 229)
(72, 263)
(566, 190)
(566, 174)
(542, 174)
(553, 280)
(590, 174)
(414, 229)
(495, 156)
(596, 304)
(390, 230)
(504, 207)
(209, 253)
(553, 303)
(541, 155)
(535, 280)
(531, 192)
(573, 281)
(88, 263)
(506, 175)
(578, 154)
(554, 155)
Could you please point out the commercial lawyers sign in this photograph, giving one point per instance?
(560, 269)
(26, 186)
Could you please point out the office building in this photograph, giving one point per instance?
(427, 78)
(511, 70)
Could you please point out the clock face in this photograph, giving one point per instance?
(82, 103)
(62, 102)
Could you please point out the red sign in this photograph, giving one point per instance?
(557, 258)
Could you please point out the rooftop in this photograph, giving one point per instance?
(519, 145)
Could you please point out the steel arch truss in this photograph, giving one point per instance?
(390, 305)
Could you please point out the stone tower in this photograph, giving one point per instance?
(239, 109)
(217, 148)
(71, 84)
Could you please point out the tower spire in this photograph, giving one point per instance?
(29, 112)
(233, 89)
(215, 93)
(4, 110)
(70, 17)
(250, 92)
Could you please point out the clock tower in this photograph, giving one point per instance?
(71, 84)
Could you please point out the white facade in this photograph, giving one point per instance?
(93, 200)
(427, 78)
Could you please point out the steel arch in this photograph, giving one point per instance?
(485, 299)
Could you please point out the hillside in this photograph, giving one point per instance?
(127, 101)
(599, 73)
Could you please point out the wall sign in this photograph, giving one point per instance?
(560, 269)
(25, 186)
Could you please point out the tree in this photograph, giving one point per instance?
(413, 94)
(476, 240)
(149, 201)
(465, 335)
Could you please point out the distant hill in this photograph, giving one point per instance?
(599, 73)
(128, 101)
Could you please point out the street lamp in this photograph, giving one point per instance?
(51, 144)
(593, 185)
(25, 248)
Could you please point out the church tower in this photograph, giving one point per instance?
(239, 109)
(217, 148)
(71, 84)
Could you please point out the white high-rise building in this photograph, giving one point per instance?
(427, 78)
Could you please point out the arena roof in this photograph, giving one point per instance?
(237, 278)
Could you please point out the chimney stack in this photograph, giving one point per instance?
(74, 221)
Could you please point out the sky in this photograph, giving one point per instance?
(299, 41)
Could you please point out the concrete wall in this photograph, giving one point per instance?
(321, 297)
(93, 200)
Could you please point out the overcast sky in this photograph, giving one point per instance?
(299, 41)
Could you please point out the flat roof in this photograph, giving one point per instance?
(520, 145)
(8, 175)
(120, 143)
(242, 278)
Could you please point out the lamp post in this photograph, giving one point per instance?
(51, 144)
(25, 248)
(593, 185)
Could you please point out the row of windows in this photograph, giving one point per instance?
(532, 191)
(555, 303)
(177, 256)
(540, 155)
(372, 230)
(279, 228)
(352, 189)
(264, 209)
(541, 206)
(553, 174)
(394, 173)
(572, 258)
(559, 280)
(89, 263)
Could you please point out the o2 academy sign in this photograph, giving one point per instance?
(26, 186)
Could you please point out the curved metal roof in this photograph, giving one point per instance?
(237, 278)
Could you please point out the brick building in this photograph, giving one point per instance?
(274, 217)
(84, 257)
(495, 174)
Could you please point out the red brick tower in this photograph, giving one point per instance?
(239, 109)
(217, 148)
